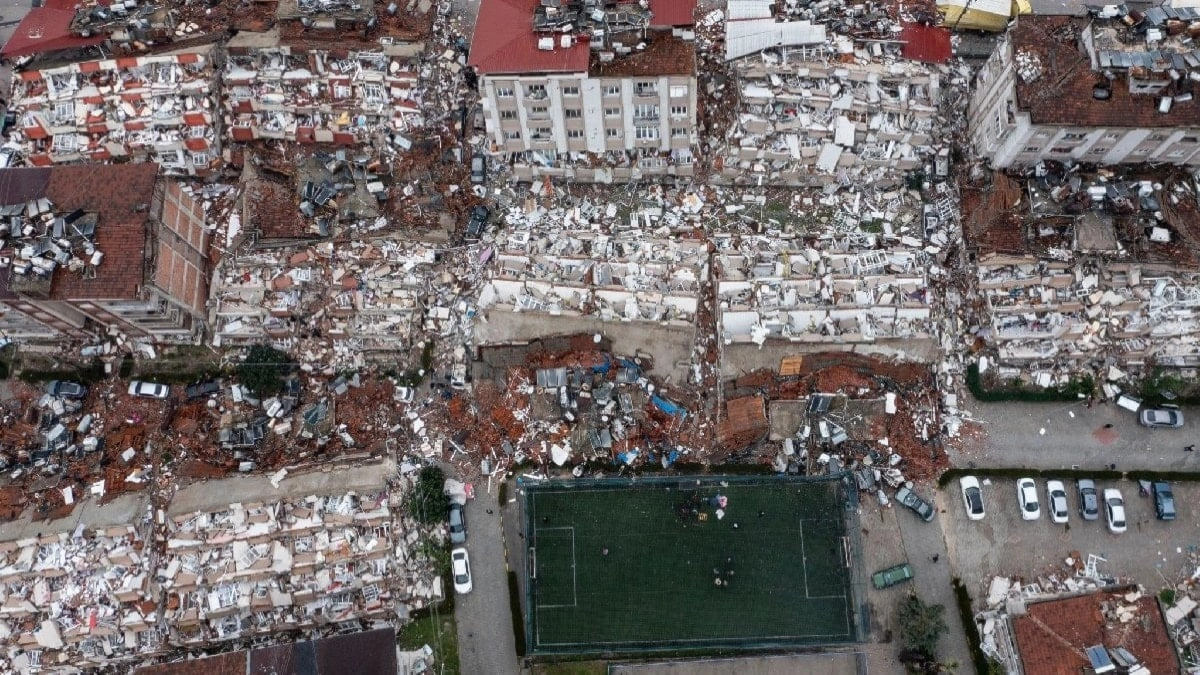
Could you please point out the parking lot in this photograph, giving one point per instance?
(1150, 552)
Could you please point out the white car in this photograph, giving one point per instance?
(1056, 501)
(1114, 508)
(972, 497)
(149, 389)
(460, 567)
(1028, 499)
(404, 394)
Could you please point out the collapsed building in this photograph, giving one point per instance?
(336, 73)
(1086, 269)
(1115, 88)
(145, 108)
(83, 260)
(830, 93)
(594, 92)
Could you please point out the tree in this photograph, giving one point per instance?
(427, 502)
(263, 369)
(921, 626)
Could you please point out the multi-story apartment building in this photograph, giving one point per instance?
(1106, 90)
(95, 248)
(156, 108)
(327, 73)
(614, 82)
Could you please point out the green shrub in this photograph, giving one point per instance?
(963, 599)
(427, 502)
(1167, 596)
(263, 369)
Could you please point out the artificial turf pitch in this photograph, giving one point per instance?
(655, 587)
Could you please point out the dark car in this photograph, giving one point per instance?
(202, 389)
(478, 169)
(478, 221)
(1164, 500)
(66, 389)
(1089, 499)
(458, 523)
(911, 500)
(892, 576)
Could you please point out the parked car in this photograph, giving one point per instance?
(458, 523)
(1028, 499)
(1164, 500)
(202, 389)
(460, 565)
(892, 576)
(919, 506)
(1114, 508)
(404, 394)
(66, 389)
(149, 389)
(478, 168)
(478, 221)
(1089, 501)
(972, 497)
(1161, 416)
(1056, 501)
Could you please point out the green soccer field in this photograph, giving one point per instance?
(615, 566)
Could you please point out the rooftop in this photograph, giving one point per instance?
(1056, 82)
(508, 45)
(120, 221)
(1053, 635)
(47, 29)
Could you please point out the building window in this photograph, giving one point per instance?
(65, 143)
(1190, 139)
(570, 91)
(342, 91)
(1158, 137)
(679, 132)
(574, 133)
(612, 112)
(504, 92)
(612, 90)
(646, 88)
(199, 158)
(512, 135)
(64, 111)
(1061, 151)
(197, 132)
(508, 114)
(646, 133)
(1041, 134)
(679, 111)
(1142, 151)
(612, 133)
(539, 110)
(645, 111)
(573, 113)
(678, 90)
(540, 134)
(535, 91)
(1074, 137)
(1032, 148)
(1176, 154)
(1111, 136)
(1099, 151)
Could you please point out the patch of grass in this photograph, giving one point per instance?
(92, 373)
(514, 606)
(951, 475)
(1077, 388)
(963, 599)
(439, 630)
(1167, 596)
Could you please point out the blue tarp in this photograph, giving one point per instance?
(668, 407)
(603, 367)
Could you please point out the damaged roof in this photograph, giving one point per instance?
(505, 43)
(928, 44)
(1053, 635)
(47, 29)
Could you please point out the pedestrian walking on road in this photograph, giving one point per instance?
(1190, 448)
(1108, 426)
(936, 556)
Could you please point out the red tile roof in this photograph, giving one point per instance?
(664, 54)
(666, 13)
(1063, 93)
(1052, 636)
(928, 44)
(47, 29)
(505, 42)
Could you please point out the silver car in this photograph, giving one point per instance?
(1089, 499)
(149, 389)
(1164, 416)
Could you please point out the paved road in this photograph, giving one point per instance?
(1062, 435)
(485, 636)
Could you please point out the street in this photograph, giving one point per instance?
(485, 636)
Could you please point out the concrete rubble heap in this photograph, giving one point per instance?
(85, 598)
(825, 93)
(1092, 270)
(155, 108)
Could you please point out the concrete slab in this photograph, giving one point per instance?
(124, 510)
(216, 494)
